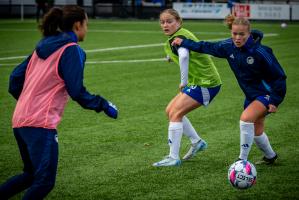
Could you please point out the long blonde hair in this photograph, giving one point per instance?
(231, 20)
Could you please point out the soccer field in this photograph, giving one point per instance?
(102, 158)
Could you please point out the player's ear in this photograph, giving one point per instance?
(76, 26)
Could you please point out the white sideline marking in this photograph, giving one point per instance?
(125, 47)
(122, 48)
(118, 31)
(126, 61)
(106, 61)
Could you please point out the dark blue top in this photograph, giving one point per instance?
(254, 65)
(71, 66)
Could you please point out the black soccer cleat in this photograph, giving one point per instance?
(267, 161)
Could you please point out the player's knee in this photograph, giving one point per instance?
(51, 186)
(246, 118)
(28, 177)
(47, 186)
(175, 115)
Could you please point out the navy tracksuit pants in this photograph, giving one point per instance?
(39, 151)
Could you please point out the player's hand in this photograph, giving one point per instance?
(177, 42)
(272, 108)
(111, 110)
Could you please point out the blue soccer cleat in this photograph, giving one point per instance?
(167, 162)
(199, 146)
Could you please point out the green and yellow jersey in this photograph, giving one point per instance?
(202, 71)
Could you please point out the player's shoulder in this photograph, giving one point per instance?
(75, 48)
(227, 42)
(263, 50)
(264, 53)
(185, 34)
(74, 52)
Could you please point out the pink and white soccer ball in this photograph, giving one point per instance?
(242, 174)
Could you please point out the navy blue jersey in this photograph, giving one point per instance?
(254, 65)
(71, 68)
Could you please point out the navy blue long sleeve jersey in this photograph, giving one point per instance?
(254, 65)
(71, 67)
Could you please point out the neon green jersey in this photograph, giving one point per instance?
(202, 70)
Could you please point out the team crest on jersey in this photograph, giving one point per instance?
(250, 60)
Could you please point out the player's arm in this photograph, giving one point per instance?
(71, 68)
(275, 76)
(17, 78)
(183, 55)
(184, 65)
(216, 49)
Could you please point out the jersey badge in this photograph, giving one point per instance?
(250, 60)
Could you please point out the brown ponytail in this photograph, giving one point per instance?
(229, 19)
(57, 19)
(51, 22)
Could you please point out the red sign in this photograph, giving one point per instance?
(241, 10)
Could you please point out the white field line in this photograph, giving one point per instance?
(126, 61)
(115, 49)
(130, 31)
(117, 31)
(106, 61)
(125, 47)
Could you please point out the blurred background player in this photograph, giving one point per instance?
(41, 8)
(41, 84)
(200, 83)
(259, 75)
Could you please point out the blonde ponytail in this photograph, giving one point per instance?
(231, 20)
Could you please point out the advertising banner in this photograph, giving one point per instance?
(202, 10)
(270, 11)
(221, 10)
(295, 12)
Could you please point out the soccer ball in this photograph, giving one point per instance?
(242, 174)
(283, 25)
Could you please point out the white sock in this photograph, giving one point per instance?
(175, 132)
(189, 131)
(263, 144)
(246, 138)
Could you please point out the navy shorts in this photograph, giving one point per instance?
(265, 100)
(202, 95)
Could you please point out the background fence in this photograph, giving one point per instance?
(201, 9)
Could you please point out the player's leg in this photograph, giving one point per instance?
(197, 143)
(178, 107)
(171, 104)
(22, 181)
(262, 141)
(254, 111)
(43, 150)
(188, 129)
(203, 96)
